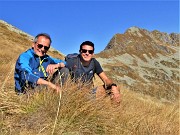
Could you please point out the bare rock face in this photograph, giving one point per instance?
(144, 61)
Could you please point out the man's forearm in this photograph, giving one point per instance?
(44, 82)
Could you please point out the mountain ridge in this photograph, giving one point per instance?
(156, 36)
(24, 34)
(144, 61)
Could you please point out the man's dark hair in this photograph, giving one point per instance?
(87, 43)
(42, 34)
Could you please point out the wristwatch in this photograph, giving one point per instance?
(109, 87)
(113, 85)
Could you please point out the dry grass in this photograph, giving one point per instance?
(79, 112)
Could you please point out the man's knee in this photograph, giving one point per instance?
(64, 71)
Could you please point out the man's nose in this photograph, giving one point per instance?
(43, 48)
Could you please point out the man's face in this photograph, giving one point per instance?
(87, 52)
(41, 46)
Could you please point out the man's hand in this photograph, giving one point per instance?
(61, 65)
(55, 87)
(115, 96)
(49, 84)
(51, 67)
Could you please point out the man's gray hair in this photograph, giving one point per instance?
(42, 34)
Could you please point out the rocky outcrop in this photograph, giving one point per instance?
(136, 36)
(144, 61)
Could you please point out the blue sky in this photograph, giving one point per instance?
(71, 22)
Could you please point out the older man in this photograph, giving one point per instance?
(34, 66)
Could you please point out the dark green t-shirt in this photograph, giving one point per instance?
(85, 74)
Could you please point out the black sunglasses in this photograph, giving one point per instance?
(45, 47)
(84, 51)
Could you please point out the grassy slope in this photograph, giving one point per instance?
(79, 113)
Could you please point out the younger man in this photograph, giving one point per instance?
(83, 68)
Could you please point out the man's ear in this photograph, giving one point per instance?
(33, 44)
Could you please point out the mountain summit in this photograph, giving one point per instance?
(144, 61)
(137, 39)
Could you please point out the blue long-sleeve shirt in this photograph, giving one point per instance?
(28, 69)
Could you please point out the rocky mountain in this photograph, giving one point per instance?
(144, 61)
(138, 37)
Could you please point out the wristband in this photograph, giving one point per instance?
(113, 85)
(109, 87)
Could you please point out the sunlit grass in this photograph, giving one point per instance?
(81, 113)
(77, 112)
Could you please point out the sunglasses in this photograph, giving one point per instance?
(84, 51)
(45, 47)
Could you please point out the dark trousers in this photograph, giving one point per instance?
(60, 76)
